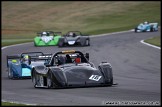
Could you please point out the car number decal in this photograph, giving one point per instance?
(95, 77)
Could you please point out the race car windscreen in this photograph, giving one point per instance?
(73, 34)
(69, 58)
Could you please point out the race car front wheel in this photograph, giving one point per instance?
(106, 70)
(10, 73)
(61, 43)
(49, 80)
(87, 43)
(152, 29)
(135, 30)
(34, 79)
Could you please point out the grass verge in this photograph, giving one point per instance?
(12, 104)
(154, 41)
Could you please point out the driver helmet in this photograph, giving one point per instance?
(26, 57)
(44, 33)
(71, 33)
(78, 59)
(145, 22)
(61, 60)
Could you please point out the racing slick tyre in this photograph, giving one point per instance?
(34, 80)
(49, 80)
(151, 29)
(135, 30)
(107, 72)
(83, 42)
(60, 43)
(87, 43)
(10, 73)
(110, 75)
(41, 80)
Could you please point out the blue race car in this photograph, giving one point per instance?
(147, 27)
(19, 66)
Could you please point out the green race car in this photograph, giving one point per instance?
(47, 38)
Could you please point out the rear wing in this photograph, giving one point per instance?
(78, 33)
(13, 58)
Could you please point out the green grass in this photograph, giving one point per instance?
(22, 19)
(154, 41)
(11, 104)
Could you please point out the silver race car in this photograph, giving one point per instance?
(74, 38)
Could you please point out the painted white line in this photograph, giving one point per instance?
(142, 41)
(17, 102)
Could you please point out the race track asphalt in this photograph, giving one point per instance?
(136, 69)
